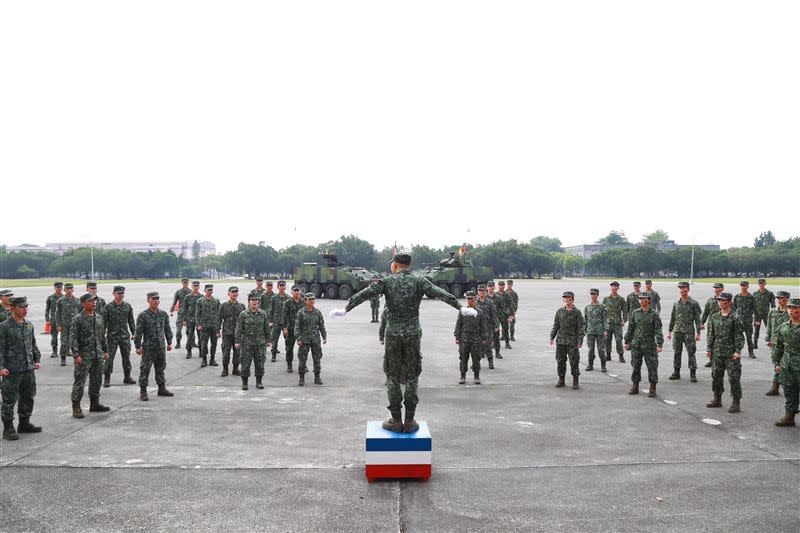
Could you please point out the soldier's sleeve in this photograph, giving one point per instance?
(672, 318)
(298, 324)
(623, 304)
(630, 331)
(269, 308)
(432, 291)
(376, 289)
(581, 327)
(57, 314)
(556, 327)
(771, 300)
(73, 337)
(175, 298)
(705, 314)
(459, 325)
(382, 327)
(197, 307)
(484, 322)
(47, 308)
(768, 335)
(37, 355)
(131, 322)
(137, 337)
(103, 340)
(733, 303)
(777, 352)
(265, 330)
(604, 312)
(738, 334)
(322, 330)
(237, 334)
(712, 335)
(585, 322)
(104, 320)
(697, 322)
(3, 346)
(659, 331)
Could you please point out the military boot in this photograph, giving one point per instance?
(693, 375)
(163, 391)
(274, 357)
(787, 420)
(289, 369)
(213, 361)
(203, 361)
(589, 367)
(575, 383)
(508, 345)
(53, 355)
(63, 360)
(463, 378)
(189, 353)
(560, 382)
(236, 370)
(8, 430)
(497, 354)
(25, 426)
(178, 345)
(477, 379)
(76, 410)
(317, 380)
(107, 380)
(603, 364)
(143, 394)
(302, 380)
(621, 358)
(491, 363)
(395, 423)
(716, 402)
(224, 371)
(259, 385)
(128, 380)
(244, 383)
(773, 391)
(652, 393)
(676, 374)
(608, 357)
(708, 365)
(410, 425)
(734, 408)
(634, 388)
(751, 355)
(96, 407)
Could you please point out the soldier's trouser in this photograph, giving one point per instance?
(316, 354)
(776, 377)
(124, 346)
(734, 368)
(564, 351)
(54, 338)
(94, 369)
(495, 341)
(290, 340)
(65, 341)
(467, 350)
(191, 331)
(593, 339)
(153, 357)
(511, 326)
(204, 336)
(790, 377)
(679, 340)
(504, 328)
(17, 387)
(614, 330)
(757, 327)
(748, 332)
(275, 336)
(402, 360)
(178, 328)
(228, 344)
(376, 307)
(650, 360)
(250, 354)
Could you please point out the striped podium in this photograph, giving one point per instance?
(398, 455)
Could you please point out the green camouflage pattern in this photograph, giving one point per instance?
(207, 314)
(87, 337)
(152, 330)
(644, 330)
(764, 301)
(66, 310)
(118, 320)
(18, 350)
(685, 316)
(228, 316)
(632, 302)
(787, 351)
(595, 319)
(471, 328)
(725, 335)
(333, 279)
(309, 326)
(17, 388)
(455, 275)
(567, 327)
(252, 328)
(177, 301)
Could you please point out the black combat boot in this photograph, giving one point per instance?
(289, 369)
(8, 430)
(652, 393)
(302, 380)
(128, 380)
(560, 382)
(244, 383)
(508, 345)
(410, 425)
(25, 426)
(107, 380)
(259, 385)
(188, 353)
(76, 410)
(236, 370)
(463, 378)
(787, 420)
(317, 380)
(477, 379)
(203, 361)
(734, 408)
(224, 371)
(395, 423)
(96, 407)
(752, 355)
(590, 366)
(693, 375)
(178, 346)
(213, 361)
(608, 357)
(163, 391)
(773, 391)
(716, 402)
(274, 357)
(603, 364)
(491, 362)
(676, 374)
(634, 388)
(575, 383)
(63, 360)
(708, 365)
(621, 358)
(53, 355)
(497, 355)
(143, 394)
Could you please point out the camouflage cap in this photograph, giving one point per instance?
(91, 284)
(253, 296)
(594, 291)
(402, 258)
(233, 288)
(295, 288)
(375, 277)
(509, 281)
(501, 282)
(68, 285)
(310, 296)
(568, 294)
(744, 283)
(637, 283)
(683, 285)
(6, 292)
(281, 283)
(469, 294)
(644, 295)
(648, 282)
(88, 297)
(119, 288)
(184, 280)
(58, 284)
(762, 280)
(725, 296)
(18, 301)
(482, 287)
(208, 286)
(269, 284)
(195, 284)
(794, 302)
(490, 284)
(782, 294)
(153, 294)
(614, 284)
(719, 286)
(259, 278)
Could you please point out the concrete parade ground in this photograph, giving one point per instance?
(512, 454)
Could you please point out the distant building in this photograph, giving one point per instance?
(179, 248)
(586, 251)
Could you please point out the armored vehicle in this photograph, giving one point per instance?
(332, 279)
(456, 274)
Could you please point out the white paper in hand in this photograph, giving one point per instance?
(469, 311)
(335, 313)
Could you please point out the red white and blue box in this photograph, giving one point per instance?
(398, 455)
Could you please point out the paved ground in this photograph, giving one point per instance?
(512, 454)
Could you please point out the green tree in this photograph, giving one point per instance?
(614, 237)
(765, 239)
(352, 250)
(548, 244)
(657, 237)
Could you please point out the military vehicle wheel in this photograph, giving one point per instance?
(331, 291)
(316, 290)
(303, 288)
(345, 292)
(442, 285)
(456, 290)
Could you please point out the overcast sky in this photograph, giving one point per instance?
(409, 122)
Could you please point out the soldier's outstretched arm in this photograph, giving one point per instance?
(432, 291)
(376, 289)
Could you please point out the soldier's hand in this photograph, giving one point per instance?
(199, 328)
(708, 354)
(736, 356)
(580, 346)
(324, 341)
(697, 337)
(237, 346)
(702, 327)
(769, 344)
(171, 314)
(105, 355)
(669, 335)
(627, 347)
(133, 337)
(139, 351)
(169, 347)
(58, 328)
(299, 343)
(78, 360)
(270, 324)
(458, 341)
(37, 366)
(382, 343)
(219, 334)
(285, 332)
(551, 342)
(658, 349)
(777, 369)
(185, 324)
(4, 372)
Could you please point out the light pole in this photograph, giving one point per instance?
(91, 255)
(691, 267)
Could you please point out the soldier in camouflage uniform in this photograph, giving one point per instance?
(153, 340)
(382, 328)
(504, 311)
(228, 318)
(91, 288)
(309, 326)
(290, 309)
(67, 308)
(19, 357)
(595, 325)
(514, 298)
(745, 307)
(644, 338)
(90, 351)
(617, 309)
(655, 298)
(726, 340)
(50, 315)
(177, 301)
(266, 297)
(189, 308)
(207, 319)
(777, 316)
(470, 336)
(403, 292)
(787, 352)
(119, 329)
(276, 317)
(252, 338)
(567, 334)
(685, 321)
(5, 304)
(632, 300)
(765, 301)
(492, 297)
(493, 331)
(711, 307)
(375, 303)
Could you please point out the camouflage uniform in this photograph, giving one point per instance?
(5, 313)
(375, 306)
(567, 332)
(726, 337)
(595, 323)
(19, 355)
(177, 301)
(89, 342)
(50, 316)
(776, 318)
(252, 332)
(101, 304)
(189, 309)
(471, 332)
(745, 307)
(119, 326)
(151, 331)
(765, 301)
(504, 305)
(276, 317)
(514, 299)
(496, 302)
(228, 318)
(207, 316)
(266, 298)
(403, 292)
(685, 321)
(290, 309)
(787, 351)
(617, 314)
(66, 310)
(655, 301)
(309, 326)
(382, 327)
(632, 302)
(711, 307)
(644, 335)
(488, 308)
